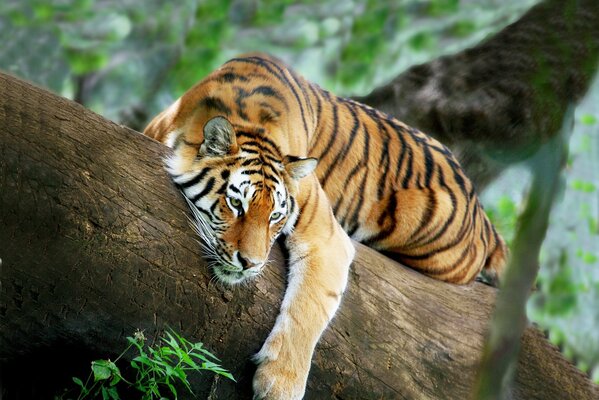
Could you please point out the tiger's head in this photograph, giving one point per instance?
(242, 191)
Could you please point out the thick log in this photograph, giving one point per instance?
(95, 244)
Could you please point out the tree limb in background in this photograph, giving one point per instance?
(497, 102)
(509, 319)
(96, 243)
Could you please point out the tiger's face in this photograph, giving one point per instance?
(241, 191)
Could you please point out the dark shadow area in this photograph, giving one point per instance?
(47, 372)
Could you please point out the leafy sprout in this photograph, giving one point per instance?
(159, 369)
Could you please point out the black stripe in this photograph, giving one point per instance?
(252, 172)
(259, 141)
(251, 151)
(467, 228)
(233, 188)
(315, 209)
(318, 102)
(409, 170)
(301, 211)
(272, 159)
(343, 153)
(448, 222)
(271, 177)
(231, 77)
(385, 233)
(384, 157)
(250, 161)
(266, 64)
(333, 133)
(429, 164)
(429, 213)
(384, 163)
(461, 183)
(449, 268)
(213, 206)
(284, 79)
(195, 180)
(204, 192)
(399, 131)
(214, 103)
(241, 95)
(303, 89)
(209, 215)
(222, 189)
(269, 91)
(358, 207)
(364, 160)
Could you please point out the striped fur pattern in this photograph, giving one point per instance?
(246, 142)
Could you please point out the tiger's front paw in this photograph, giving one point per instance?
(276, 380)
(281, 374)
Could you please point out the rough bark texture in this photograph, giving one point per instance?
(494, 104)
(95, 244)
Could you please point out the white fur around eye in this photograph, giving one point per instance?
(245, 189)
(281, 205)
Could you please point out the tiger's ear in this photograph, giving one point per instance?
(219, 138)
(298, 167)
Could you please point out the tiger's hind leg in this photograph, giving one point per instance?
(320, 253)
(438, 232)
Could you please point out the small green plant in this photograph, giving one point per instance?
(504, 215)
(158, 368)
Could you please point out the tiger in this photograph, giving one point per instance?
(260, 152)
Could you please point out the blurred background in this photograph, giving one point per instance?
(128, 59)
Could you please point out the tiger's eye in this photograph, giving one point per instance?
(235, 202)
(275, 216)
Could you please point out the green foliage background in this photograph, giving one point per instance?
(128, 59)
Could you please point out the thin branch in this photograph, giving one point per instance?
(509, 319)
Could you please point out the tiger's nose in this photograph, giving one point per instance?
(247, 263)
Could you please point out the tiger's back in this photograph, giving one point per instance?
(396, 189)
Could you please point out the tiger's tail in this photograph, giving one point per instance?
(496, 262)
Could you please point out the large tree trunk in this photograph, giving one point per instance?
(95, 244)
(496, 103)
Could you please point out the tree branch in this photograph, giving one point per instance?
(496, 103)
(96, 243)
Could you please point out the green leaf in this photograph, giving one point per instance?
(561, 295)
(589, 258)
(556, 336)
(43, 12)
(101, 369)
(82, 62)
(583, 186)
(200, 347)
(113, 393)
(78, 382)
(588, 119)
(172, 389)
(443, 7)
(422, 41)
(583, 366)
(463, 28)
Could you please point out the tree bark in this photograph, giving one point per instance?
(96, 243)
(496, 103)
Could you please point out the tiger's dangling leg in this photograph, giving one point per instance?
(320, 254)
